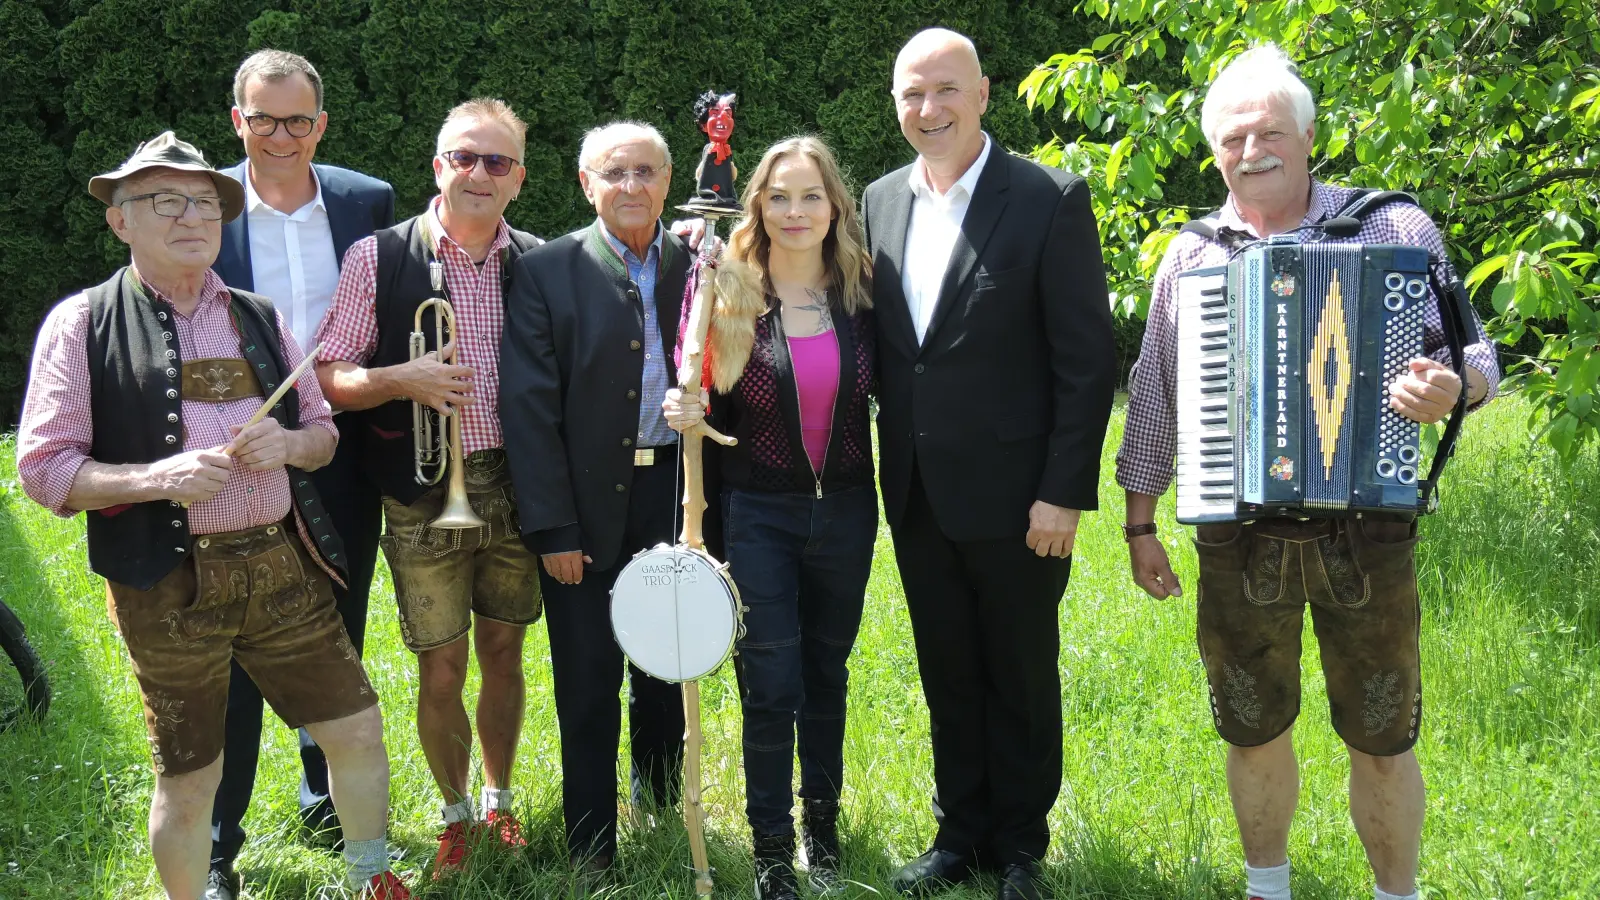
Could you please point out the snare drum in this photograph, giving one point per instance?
(675, 612)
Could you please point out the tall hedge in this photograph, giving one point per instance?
(83, 81)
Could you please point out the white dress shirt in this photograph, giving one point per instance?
(931, 237)
(292, 260)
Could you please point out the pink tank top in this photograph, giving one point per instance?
(816, 375)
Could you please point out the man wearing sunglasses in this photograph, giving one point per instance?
(586, 361)
(299, 218)
(448, 581)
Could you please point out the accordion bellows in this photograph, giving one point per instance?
(1285, 356)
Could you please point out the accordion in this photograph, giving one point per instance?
(1284, 360)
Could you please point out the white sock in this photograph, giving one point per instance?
(1379, 893)
(459, 812)
(366, 860)
(1267, 884)
(491, 798)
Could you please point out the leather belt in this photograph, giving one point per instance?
(646, 456)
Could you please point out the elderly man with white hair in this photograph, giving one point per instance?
(585, 362)
(1257, 577)
(448, 580)
(216, 549)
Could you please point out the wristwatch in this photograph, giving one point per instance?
(1129, 532)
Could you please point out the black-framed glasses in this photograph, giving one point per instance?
(493, 163)
(264, 125)
(617, 174)
(173, 206)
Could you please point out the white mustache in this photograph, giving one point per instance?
(1264, 164)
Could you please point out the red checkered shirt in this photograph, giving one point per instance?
(58, 429)
(1150, 437)
(349, 332)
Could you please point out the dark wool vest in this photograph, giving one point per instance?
(135, 366)
(403, 284)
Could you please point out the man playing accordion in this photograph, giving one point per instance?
(1256, 577)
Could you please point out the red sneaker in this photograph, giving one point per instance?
(504, 827)
(387, 886)
(454, 843)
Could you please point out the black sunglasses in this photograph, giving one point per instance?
(466, 161)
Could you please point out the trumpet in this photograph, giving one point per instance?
(431, 446)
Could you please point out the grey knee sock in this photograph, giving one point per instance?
(366, 859)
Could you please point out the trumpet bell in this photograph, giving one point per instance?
(457, 513)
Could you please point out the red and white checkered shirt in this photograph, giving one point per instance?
(349, 332)
(58, 429)
(1150, 437)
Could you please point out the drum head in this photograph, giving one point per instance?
(673, 614)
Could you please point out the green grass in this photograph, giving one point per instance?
(1510, 746)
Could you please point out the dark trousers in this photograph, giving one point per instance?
(587, 665)
(355, 505)
(801, 564)
(984, 616)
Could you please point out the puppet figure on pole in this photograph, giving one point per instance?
(675, 610)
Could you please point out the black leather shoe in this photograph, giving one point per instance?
(932, 871)
(319, 825)
(774, 861)
(221, 884)
(591, 873)
(1020, 882)
(819, 845)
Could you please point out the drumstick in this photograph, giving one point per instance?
(303, 368)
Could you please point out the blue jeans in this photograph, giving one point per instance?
(801, 564)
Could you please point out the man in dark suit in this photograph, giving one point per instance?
(997, 371)
(585, 361)
(298, 221)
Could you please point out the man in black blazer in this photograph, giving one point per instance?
(997, 372)
(585, 361)
(304, 216)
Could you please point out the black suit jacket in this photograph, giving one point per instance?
(1006, 400)
(571, 363)
(357, 205)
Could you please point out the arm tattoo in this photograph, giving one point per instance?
(819, 305)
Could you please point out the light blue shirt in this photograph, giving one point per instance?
(653, 428)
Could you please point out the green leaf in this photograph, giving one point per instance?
(1142, 175)
(1568, 374)
(1104, 41)
(1581, 404)
(1114, 163)
(1109, 81)
(1591, 369)
(1484, 269)
(1504, 293)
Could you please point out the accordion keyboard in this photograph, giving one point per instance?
(1205, 398)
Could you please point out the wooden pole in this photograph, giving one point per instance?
(694, 508)
(689, 372)
(694, 816)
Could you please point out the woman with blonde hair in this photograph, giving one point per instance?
(791, 361)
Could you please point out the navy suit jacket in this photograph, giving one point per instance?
(357, 205)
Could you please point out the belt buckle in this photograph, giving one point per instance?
(645, 456)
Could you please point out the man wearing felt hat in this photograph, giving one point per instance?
(210, 536)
